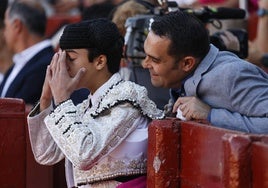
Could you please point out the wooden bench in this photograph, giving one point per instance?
(191, 154)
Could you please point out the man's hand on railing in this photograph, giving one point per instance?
(192, 108)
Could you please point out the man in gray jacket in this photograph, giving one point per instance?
(205, 83)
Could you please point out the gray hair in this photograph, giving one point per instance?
(31, 14)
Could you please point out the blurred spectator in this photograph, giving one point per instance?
(71, 7)
(5, 54)
(252, 6)
(61, 7)
(98, 10)
(210, 3)
(262, 30)
(258, 49)
(131, 68)
(126, 10)
(25, 24)
(225, 24)
(216, 3)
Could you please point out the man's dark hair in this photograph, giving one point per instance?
(3, 7)
(113, 54)
(98, 10)
(99, 36)
(31, 14)
(188, 35)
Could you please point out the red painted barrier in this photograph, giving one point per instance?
(12, 143)
(163, 154)
(260, 164)
(191, 154)
(181, 154)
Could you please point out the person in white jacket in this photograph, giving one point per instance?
(104, 138)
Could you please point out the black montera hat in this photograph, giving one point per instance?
(98, 33)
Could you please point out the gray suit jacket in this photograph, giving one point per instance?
(236, 90)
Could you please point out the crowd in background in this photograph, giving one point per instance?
(118, 11)
(181, 71)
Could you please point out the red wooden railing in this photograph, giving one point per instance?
(190, 154)
(181, 154)
(12, 143)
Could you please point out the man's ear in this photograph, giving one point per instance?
(189, 63)
(100, 62)
(17, 25)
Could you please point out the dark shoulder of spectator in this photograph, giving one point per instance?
(98, 10)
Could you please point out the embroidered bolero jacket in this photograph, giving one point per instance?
(103, 141)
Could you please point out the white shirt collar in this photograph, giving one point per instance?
(28, 53)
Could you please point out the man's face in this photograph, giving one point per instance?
(165, 71)
(9, 32)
